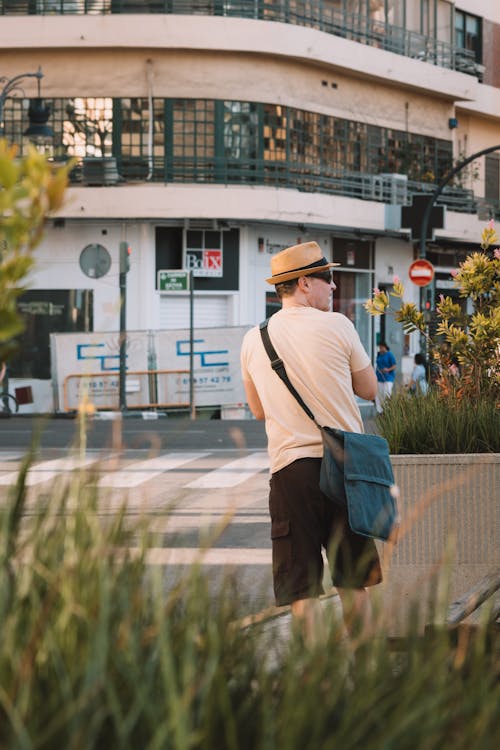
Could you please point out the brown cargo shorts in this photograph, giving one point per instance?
(303, 522)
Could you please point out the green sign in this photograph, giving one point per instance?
(173, 281)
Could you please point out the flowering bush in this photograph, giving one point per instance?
(465, 345)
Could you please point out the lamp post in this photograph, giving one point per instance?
(439, 189)
(38, 112)
(427, 215)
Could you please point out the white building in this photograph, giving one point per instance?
(243, 127)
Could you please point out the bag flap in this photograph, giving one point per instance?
(366, 457)
(371, 509)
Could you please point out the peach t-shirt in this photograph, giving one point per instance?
(320, 350)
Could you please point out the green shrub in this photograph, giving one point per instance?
(31, 189)
(438, 424)
(97, 652)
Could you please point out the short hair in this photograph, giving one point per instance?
(286, 288)
(419, 359)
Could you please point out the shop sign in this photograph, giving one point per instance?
(173, 281)
(204, 262)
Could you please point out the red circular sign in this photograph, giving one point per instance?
(421, 272)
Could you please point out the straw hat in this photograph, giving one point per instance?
(299, 260)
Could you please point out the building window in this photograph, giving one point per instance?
(47, 311)
(88, 126)
(200, 140)
(468, 33)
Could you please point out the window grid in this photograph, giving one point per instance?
(193, 139)
(231, 141)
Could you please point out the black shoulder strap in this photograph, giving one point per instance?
(279, 367)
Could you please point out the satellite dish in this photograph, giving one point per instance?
(95, 261)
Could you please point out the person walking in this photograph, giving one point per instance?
(418, 384)
(328, 366)
(386, 374)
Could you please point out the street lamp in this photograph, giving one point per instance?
(38, 112)
(439, 189)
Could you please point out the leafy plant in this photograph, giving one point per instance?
(437, 424)
(469, 342)
(30, 190)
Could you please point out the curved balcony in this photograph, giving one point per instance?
(388, 188)
(329, 17)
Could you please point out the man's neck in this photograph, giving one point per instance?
(295, 300)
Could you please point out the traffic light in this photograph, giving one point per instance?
(429, 299)
(125, 252)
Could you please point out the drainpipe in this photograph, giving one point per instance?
(149, 77)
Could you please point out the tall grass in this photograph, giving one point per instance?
(97, 652)
(437, 424)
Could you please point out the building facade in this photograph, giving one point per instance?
(210, 134)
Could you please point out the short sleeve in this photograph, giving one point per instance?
(359, 358)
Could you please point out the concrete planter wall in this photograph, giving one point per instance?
(449, 507)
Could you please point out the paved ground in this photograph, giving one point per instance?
(17, 432)
(201, 479)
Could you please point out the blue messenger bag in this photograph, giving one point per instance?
(356, 470)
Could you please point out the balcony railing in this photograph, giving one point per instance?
(383, 188)
(314, 14)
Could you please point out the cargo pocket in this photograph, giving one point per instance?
(282, 556)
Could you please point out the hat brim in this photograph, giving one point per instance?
(289, 275)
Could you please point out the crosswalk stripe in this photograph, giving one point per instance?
(7, 456)
(232, 473)
(179, 522)
(143, 471)
(46, 470)
(213, 556)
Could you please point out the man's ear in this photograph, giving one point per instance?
(303, 283)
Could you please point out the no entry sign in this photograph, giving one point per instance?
(421, 272)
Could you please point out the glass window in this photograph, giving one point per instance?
(468, 33)
(47, 311)
(240, 130)
(353, 289)
(88, 126)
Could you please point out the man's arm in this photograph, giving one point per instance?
(253, 400)
(364, 383)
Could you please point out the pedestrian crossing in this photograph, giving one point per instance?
(233, 473)
(143, 471)
(203, 470)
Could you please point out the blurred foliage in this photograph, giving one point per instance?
(99, 651)
(30, 190)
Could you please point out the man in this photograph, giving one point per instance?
(386, 374)
(327, 364)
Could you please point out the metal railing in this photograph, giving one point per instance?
(383, 188)
(313, 14)
(146, 389)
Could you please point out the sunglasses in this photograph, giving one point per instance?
(324, 276)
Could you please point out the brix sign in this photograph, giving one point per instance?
(204, 262)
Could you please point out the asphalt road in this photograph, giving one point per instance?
(134, 432)
(194, 479)
(17, 433)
